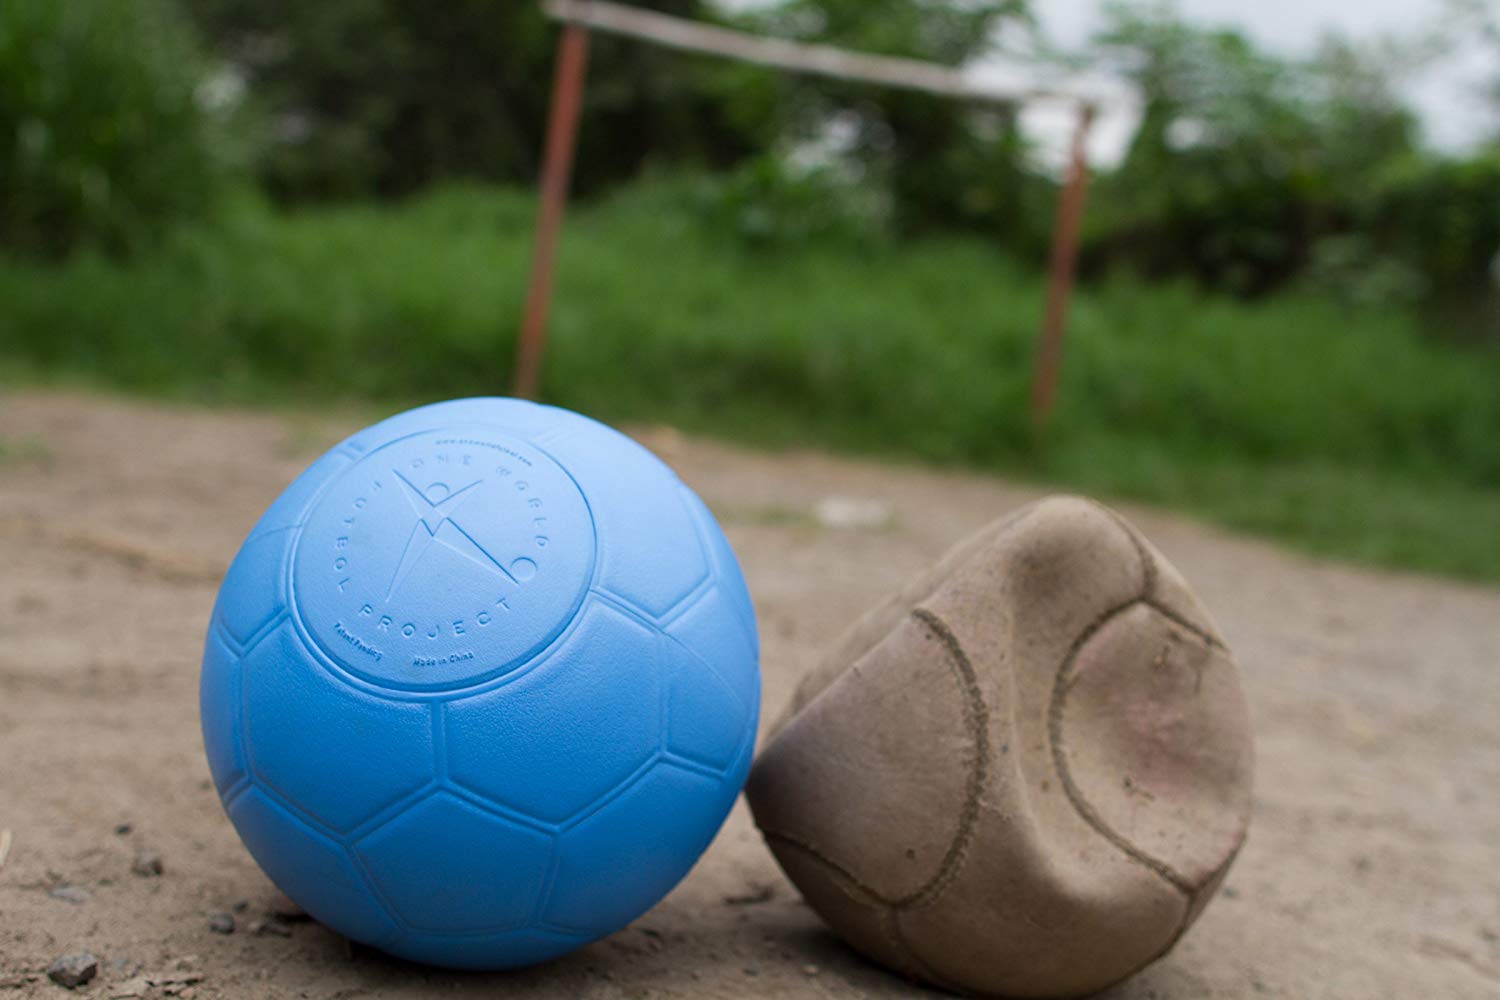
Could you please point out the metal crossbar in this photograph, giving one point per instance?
(579, 17)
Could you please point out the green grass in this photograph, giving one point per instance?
(1347, 433)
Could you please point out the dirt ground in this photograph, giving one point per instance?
(1372, 870)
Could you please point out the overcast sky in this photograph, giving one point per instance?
(1453, 117)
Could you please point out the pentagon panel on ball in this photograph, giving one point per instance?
(481, 685)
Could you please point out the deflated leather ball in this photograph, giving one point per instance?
(481, 685)
(1024, 775)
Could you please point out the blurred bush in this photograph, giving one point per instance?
(105, 138)
(1441, 218)
(941, 164)
(1243, 161)
(772, 202)
(1251, 172)
(382, 97)
(1341, 427)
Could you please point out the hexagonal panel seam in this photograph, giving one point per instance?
(549, 882)
(745, 627)
(264, 783)
(696, 507)
(615, 602)
(282, 573)
(689, 601)
(372, 884)
(685, 648)
(746, 747)
(391, 811)
(702, 583)
(266, 532)
(276, 797)
(693, 763)
(257, 634)
(745, 618)
(338, 843)
(504, 810)
(685, 763)
(716, 568)
(666, 730)
(217, 629)
(231, 795)
(237, 705)
(630, 781)
(682, 762)
(663, 694)
(316, 822)
(491, 807)
(239, 649)
(412, 927)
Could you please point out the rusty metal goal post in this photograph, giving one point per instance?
(579, 17)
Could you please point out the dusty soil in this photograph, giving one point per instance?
(1373, 867)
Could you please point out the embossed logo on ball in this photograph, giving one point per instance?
(442, 560)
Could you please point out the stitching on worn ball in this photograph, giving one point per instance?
(1151, 574)
(1148, 565)
(875, 899)
(976, 719)
(1177, 618)
(919, 966)
(1060, 688)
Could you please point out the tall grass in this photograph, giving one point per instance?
(1348, 433)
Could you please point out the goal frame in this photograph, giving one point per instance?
(581, 17)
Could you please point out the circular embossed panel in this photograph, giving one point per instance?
(443, 559)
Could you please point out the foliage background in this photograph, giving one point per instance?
(1288, 321)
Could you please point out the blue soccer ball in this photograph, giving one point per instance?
(481, 685)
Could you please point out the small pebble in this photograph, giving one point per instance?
(123, 829)
(73, 970)
(71, 894)
(810, 970)
(221, 923)
(147, 864)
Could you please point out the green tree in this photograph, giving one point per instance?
(1243, 161)
(384, 96)
(943, 164)
(104, 134)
